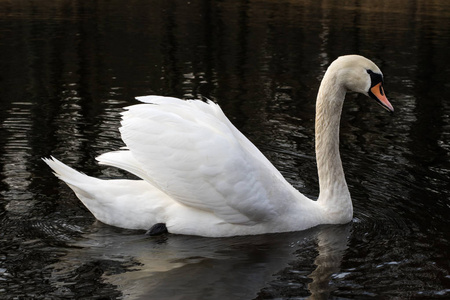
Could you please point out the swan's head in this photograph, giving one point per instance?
(359, 74)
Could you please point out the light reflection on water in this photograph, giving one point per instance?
(67, 69)
(17, 154)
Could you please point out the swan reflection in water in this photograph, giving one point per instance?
(189, 267)
(331, 245)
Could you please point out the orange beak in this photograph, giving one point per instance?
(377, 93)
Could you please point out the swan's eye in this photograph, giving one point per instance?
(381, 90)
(375, 78)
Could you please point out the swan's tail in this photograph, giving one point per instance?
(82, 184)
(132, 204)
(64, 172)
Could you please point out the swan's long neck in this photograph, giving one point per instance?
(334, 194)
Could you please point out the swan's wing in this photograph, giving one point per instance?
(194, 156)
(123, 159)
(214, 110)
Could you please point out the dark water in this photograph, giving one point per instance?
(68, 67)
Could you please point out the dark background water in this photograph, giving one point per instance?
(68, 67)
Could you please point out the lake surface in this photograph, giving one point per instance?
(68, 67)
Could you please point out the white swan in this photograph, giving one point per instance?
(201, 176)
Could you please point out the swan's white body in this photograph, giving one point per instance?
(201, 176)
